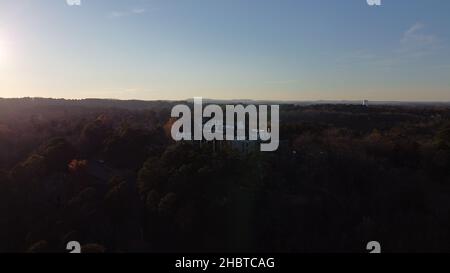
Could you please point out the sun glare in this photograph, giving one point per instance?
(3, 48)
(2, 52)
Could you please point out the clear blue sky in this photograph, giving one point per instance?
(258, 49)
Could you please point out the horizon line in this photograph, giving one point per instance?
(238, 100)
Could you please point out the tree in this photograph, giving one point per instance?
(93, 135)
(443, 138)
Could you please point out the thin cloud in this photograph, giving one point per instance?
(138, 11)
(135, 11)
(416, 34)
(417, 42)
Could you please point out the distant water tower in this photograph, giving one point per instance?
(365, 103)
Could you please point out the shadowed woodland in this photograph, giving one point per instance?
(107, 174)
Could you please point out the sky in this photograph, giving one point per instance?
(226, 49)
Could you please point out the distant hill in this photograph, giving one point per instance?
(27, 103)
